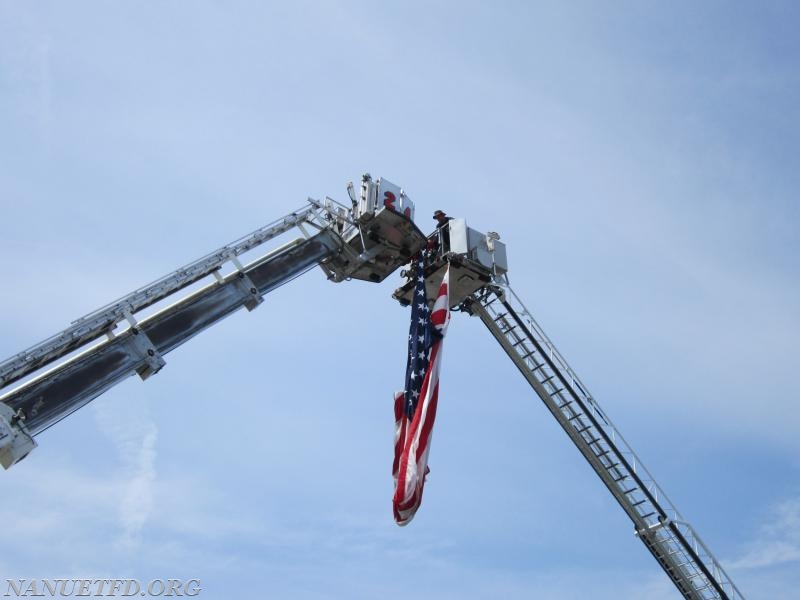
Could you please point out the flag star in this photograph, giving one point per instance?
(421, 355)
(415, 393)
(413, 375)
(421, 338)
(420, 292)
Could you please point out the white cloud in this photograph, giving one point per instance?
(134, 434)
(778, 542)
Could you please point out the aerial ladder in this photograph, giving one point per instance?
(368, 240)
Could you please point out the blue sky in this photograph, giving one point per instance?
(640, 161)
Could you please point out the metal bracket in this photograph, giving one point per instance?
(651, 529)
(252, 298)
(15, 440)
(141, 346)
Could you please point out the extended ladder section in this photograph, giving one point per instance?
(54, 378)
(672, 541)
(140, 348)
(97, 323)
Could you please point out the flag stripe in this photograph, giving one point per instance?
(415, 407)
(400, 431)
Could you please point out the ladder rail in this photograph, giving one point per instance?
(668, 536)
(57, 393)
(101, 321)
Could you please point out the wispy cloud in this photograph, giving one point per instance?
(134, 434)
(778, 542)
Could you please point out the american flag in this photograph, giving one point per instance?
(415, 407)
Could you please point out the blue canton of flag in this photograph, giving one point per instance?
(421, 336)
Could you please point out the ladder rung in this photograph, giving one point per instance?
(587, 428)
(528, 355)
(557, 392)
(618, 479)
(547, 379)
(593, 441)
(567, 403)
(633, 489)
(509, 330)
(700, 589)
(639, 502)
(611, 466)
(575, 416)
(602, 454)
(648, 515)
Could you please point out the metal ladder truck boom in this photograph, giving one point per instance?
(368, 240)
(479, 286)
(42, 385)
